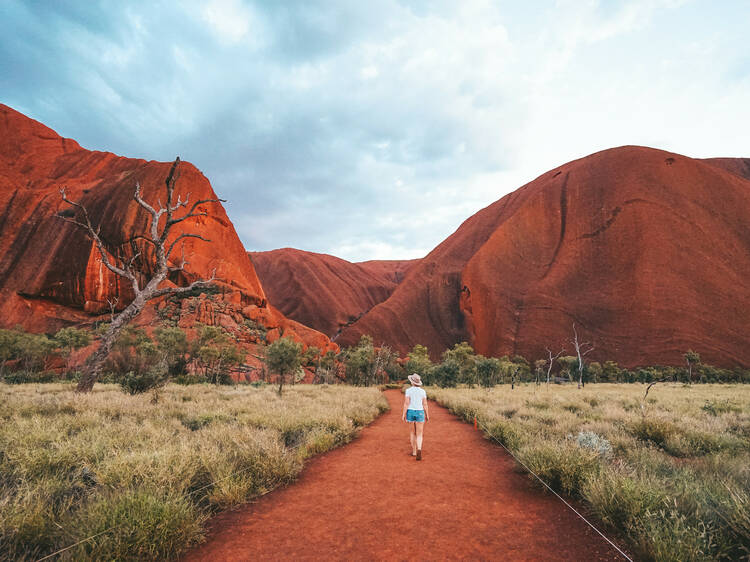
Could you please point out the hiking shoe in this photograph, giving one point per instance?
(419, 455)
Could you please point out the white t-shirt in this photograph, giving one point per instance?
(415, 395)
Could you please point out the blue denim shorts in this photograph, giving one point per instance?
(415, 415)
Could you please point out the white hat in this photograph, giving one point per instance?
(415, 379)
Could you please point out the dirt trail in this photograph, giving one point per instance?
(372, 500)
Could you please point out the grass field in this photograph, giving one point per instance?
(671, 474)
(145, 477)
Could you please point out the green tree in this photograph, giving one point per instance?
(70, 339)
(595, 370)
(173, 344)
(216, 352)
(359, 362)
(539, 366)
(445, 374)
(487, 371)
(311, 356)
(33, 350)
(284, 357)
(133, 352)
(418, 361)
(9, 347)
(692, 359)
(568, 365)
(464, 356)
(611, 372)
(329, 369)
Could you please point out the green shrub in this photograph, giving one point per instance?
(137, 525)
(187, 380)
(717, 407)
(505, 432)
(565, 468)
(197, 422)
(658, 431)
(137, 383)
(22, 377)
(621, 499)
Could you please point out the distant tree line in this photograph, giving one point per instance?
(142, 360)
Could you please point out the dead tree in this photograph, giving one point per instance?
(552, 361)
(582, 349)
(146, 286)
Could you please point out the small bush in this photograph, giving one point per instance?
(717, 407)
(565, 468)
(23, 377)
(505, 432)
(652, 429)
(137, 383)
(593, 442)
(138, 525)
(197, 422)
(187, 380)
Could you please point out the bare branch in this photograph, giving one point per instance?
(137, 196)
(141, 237)
(72, 221)
(180, 202)
(112, 304)
(192, 212)
(182, 237)
(652, 384)
(179, 290)
(94, 234)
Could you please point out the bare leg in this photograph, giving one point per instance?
(419, 427)
(413, 438)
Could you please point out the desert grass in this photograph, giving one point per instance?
(669, 474)
(143, 477)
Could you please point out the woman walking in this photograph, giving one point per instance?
(416, 412)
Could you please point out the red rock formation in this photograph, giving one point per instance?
(648, 252)
(50, 274)
(322, 291)
(738, 166)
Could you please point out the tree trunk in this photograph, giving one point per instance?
(93, 367)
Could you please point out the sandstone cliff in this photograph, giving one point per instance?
(648, 252)
(325, 292)
(50, 274)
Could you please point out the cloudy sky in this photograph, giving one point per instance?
(372, 129)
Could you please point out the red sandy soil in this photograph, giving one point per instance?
(372, 500)
(322, 291)
(50, 272)
(647, 251)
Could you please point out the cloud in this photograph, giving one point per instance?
(374, 129)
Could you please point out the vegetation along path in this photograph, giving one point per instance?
(372, 500)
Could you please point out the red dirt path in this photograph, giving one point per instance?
(372, 500)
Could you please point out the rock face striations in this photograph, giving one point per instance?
(325, 292)
(648, 252)
(50, 274)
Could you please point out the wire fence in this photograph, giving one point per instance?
(558, 496)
